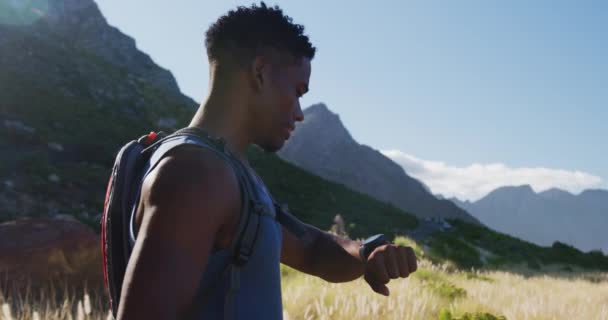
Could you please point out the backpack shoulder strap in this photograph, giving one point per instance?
(290, 222)
(242, 245)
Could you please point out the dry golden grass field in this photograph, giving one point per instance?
(433, 292)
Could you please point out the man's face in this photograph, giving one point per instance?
(280, 109)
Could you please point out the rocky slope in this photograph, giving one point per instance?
(36, 252)
(322, 145)
(73, 89)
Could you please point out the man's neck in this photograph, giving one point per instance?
(226, 122)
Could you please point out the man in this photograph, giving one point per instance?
(260, 64)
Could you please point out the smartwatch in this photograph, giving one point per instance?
(371, 243)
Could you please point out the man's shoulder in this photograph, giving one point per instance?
(189, 174)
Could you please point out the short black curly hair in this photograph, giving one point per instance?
(241, 33)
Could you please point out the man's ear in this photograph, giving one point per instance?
(258, 69)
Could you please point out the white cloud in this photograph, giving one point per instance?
(476, 180)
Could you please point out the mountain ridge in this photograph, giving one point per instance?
(546, 216)
(321, 144)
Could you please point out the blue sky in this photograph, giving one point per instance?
(465, 95)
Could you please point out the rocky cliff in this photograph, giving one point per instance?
(73, 89)
(322, 145)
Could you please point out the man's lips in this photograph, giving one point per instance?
(288, 131)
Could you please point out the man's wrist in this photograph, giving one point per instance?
(370, 244)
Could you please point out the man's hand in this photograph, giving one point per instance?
(389, 262)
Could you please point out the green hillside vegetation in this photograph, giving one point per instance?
(462, 246)
(317, 201)
(81, 101)
(67, 96)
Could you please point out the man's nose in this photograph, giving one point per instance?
(299, 113)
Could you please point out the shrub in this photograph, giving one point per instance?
(408, 242)
(449, 246)
(444, 314)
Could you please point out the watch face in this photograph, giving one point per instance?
(373, 238)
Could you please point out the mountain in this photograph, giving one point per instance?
(73, 89)
(545, 217)
(322, 145)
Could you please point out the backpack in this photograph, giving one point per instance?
(133, 162)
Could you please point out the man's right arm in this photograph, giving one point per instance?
(186, 200)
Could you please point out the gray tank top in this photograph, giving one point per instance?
(259, 293)
(259, 296)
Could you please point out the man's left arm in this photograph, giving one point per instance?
(337, 259)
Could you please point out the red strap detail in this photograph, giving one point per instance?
(151, 136)
(103, 235)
